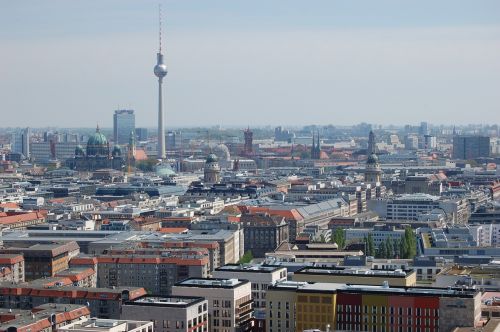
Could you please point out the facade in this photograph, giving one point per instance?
(156, 273)
(123, 125)
(261, 276)
(169, 314)
(263, 233)
(43, 152)
(299, 306)
(108, 325)
(470, 147)
(357, 275)
(45, 260)
(379, 233)
(229, 301)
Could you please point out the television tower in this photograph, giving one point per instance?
(160, 71)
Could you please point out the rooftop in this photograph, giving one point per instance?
(170, 301)
(257, 268)
(340, 287)
(212, 283)
(358, 271)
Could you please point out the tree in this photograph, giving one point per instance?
(246, 258)
(411, 242)
(381, 251)
(371, 245)
(389, 248)
(339, 237)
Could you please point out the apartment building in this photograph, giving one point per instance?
(169, 314)
(229, 301)
(43, 318)
(156, 273)
(299, 306)
(260, 276)
(102, 302)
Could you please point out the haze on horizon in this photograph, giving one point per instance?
(288, 62)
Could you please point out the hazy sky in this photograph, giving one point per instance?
(71, 63)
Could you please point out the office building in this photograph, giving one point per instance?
(43, 152)
(20, 142)
(123, 125)
(141, 134)
(299, 306)
(470, 147)
(45, 260)
(229, 301)
(411, 206)
(169, 314)
(264, 233)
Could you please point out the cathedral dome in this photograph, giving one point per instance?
(117, 151)
(212, 158)
(372, 159)
(79, 151)
(97, 145)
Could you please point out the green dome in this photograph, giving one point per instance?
(212, 158)
(372, 159)
(117, 151)
(164, 170)
(97, 145)
(79, 151)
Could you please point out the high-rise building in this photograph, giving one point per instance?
(123, 125)
(470, 147)
(160, 71)
(21, 142)
(430, 142)
(141, 134)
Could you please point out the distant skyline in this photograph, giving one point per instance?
(239, 63)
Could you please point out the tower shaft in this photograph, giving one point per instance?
(161, 128)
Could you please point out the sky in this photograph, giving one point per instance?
(250, 63)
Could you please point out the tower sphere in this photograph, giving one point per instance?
(160, 70)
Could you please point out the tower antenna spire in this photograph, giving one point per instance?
(159, 27)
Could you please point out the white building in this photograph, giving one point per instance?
(169, 314)
(229, 301)
(260, 276)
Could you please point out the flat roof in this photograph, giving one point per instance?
(252, 268)
(321, 287)
(212, 283)
(355, 271)
(166, 301)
